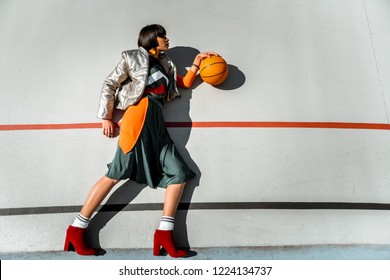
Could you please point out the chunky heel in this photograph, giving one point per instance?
(75, 241)
(164, 238)
(156, 249)
(68, 246)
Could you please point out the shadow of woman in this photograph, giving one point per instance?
(179, 110)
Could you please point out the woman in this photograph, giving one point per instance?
(143, 80)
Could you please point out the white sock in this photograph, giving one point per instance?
(167, 223)
(81, 221)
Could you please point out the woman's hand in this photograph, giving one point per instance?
(199, 57)
(108, 128)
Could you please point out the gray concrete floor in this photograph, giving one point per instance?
(322, 252)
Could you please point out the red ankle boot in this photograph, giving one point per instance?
(75, 241)
(164, 238)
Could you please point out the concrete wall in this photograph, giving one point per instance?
(290, 61)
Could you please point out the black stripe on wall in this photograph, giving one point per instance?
(201, 206)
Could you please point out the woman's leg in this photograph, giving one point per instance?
(172, 198)
(75, 235)
(96, 195)
(163, 236)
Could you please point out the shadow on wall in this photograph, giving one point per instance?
(127, 192)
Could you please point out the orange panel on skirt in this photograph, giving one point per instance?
(132, 123)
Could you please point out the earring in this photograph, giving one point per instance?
(153, 52)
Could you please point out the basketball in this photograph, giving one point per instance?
(213, 70)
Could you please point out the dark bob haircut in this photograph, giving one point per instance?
(148, 36)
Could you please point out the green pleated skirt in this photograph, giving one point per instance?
(154, 159)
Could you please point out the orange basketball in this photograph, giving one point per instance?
(213, 70)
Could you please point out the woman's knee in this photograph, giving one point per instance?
(110, 181)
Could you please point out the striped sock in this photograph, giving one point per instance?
(81, 221)
(167, 223)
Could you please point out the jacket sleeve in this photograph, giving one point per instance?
(187, 80)
(110, 86)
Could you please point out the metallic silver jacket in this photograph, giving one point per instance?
(126, 83)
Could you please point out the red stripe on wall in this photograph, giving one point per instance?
(334, 125)
(49, 126)
(339, 125)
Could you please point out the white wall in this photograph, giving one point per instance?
(290, 61)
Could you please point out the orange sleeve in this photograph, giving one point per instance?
(187, 80)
